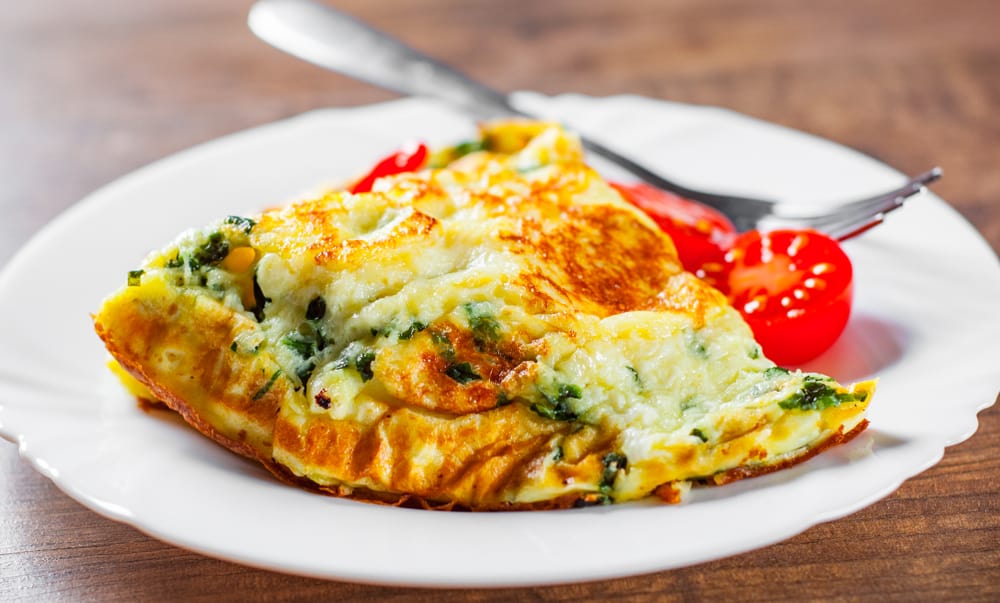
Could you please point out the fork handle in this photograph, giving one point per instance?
(329, 38)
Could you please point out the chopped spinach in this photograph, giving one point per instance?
(244, 224)
(414, 328)
(211, 252)
(444, 345)
(307, 342)
(135, 277)
(259, 300)
(303, 345)
(485, 328)
(774, 371)
(556, 407)
(463, 372)
(363, 364)
(696, 344)
(267, 386)
(699, 434)
(613, 463)
(469, 146)
(305, 370)
(817, 394)
(359, 356)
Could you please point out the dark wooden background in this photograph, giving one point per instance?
(92, 90)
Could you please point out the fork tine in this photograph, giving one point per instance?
(850, 220)
(850, 231)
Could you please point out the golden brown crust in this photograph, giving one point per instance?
(738, 473)
(669, 492)
(138, 331)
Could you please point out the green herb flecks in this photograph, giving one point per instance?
(267, 386)
(613, 463)
(463, 372)
(305, 370)
(244, 224)
(364, 364)
(176, 261)
(307, 342)
(469, 146)
(259, 300)
(135, 277)
(485, 328)
(699, 434)
(556, 407)
(414, 328)
(444, 346)
(211, 252)
(303, 345)
(635, 375)
(447, 155)
(774, 371)
(305, 348)
(817, 394)
(696, 344)
(358, 356)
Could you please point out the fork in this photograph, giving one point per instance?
(326, 37)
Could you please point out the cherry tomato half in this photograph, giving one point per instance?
(407, 159)
(701, 234)
(794, 288)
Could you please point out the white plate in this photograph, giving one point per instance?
(925, 322)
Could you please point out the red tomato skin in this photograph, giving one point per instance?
(404, 160)
(794, 341)
(770, 267)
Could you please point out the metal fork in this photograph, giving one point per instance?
(326, 37)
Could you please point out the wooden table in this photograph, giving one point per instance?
(92, 90)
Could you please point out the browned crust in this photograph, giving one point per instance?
(669, 492)
(738, 473)
(174, 402)
(413, 501)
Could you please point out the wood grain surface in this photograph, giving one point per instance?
(92, 90)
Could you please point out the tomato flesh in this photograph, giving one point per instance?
(794, 288)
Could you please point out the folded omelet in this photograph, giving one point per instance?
(501, 332)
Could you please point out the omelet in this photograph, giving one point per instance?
(499, 331)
